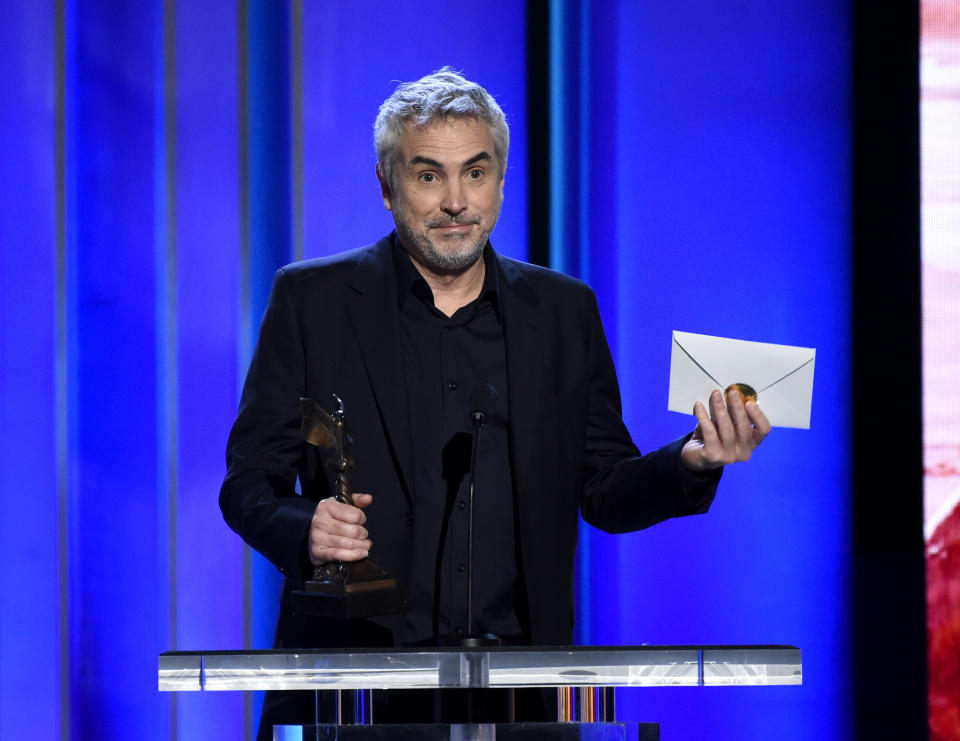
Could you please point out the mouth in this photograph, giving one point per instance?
(453, 226)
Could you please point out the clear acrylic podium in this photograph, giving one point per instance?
(585, 678)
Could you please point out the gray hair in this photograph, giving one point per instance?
(443, 95)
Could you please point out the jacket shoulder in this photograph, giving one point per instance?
(545, 283)
(335, 268)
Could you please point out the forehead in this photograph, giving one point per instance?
(452, 139)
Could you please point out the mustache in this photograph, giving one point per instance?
(458, 220)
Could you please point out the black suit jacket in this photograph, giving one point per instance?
(332, 326)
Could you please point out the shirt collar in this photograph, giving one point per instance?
(409, 280)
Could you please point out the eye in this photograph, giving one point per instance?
(427, 177)
(475, 174)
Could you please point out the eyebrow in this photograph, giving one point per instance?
(418, 160)
(477, 158)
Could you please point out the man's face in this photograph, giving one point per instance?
(447, 193)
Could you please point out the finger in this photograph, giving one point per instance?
(362, 500)
(331, 508)
(761, 425)
(324, 555)
(320, 540)
(346, 513)
(741, 423)
(340, 529)
(323, 523)
(325, 547)
(718, 411)
(708, 432)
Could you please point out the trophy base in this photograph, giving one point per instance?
(365, 590)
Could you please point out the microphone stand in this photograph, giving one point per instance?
(482, 404)
(471, 639)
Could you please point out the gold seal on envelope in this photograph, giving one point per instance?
(746, 392)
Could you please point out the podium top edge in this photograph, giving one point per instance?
(485, 649)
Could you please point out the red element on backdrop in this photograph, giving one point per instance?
(943, 628)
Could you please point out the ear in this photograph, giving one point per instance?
(385, 192)
(503, 177)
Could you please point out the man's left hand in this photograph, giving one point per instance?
(727, 434)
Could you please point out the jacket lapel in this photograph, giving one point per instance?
(374, 313)
(524, 336)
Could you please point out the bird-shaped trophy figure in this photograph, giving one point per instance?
(340, 589)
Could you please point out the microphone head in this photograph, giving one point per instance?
(483, 398)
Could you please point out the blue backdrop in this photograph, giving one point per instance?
(160, 161)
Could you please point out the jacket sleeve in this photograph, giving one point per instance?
(258, 497)
(622, 489)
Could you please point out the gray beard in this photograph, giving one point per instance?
(445, 262)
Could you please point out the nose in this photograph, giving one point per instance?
(454, 198)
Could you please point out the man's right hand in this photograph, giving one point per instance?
(337, 531)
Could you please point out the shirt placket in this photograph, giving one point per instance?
(453, 370)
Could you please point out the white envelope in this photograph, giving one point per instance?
(782, 375)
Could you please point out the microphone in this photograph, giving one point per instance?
(482, 400)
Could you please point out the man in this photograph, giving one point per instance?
(404, 331)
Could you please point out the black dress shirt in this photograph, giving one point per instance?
(444, 360)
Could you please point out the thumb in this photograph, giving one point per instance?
(362, 500)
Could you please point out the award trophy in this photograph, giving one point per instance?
(339, 589)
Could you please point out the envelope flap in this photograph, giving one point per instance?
(789, 400)
(727, 361)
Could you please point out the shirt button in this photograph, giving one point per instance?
(460, 567)
(461, 506)
(408, 519)
(452, 385)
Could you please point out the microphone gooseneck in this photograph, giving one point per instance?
(482, 401)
